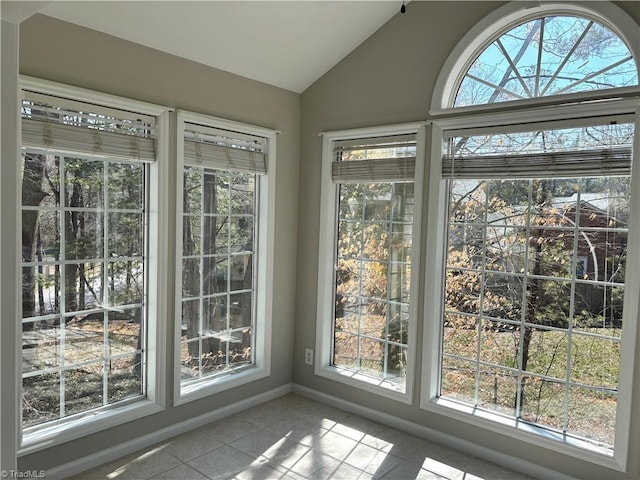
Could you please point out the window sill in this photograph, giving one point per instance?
(526, 432)
(40, 438)
(207, 386)
(371, 384)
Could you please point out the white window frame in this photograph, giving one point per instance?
(435, 241)
(327, 262)
(264, 250)
(41, 437)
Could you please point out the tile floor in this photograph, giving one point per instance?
(296, 438)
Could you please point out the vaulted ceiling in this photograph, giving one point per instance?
(289, 44)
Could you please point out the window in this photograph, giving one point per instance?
(545, 56)
(224, 205)
(530, 321)
(372, 197)
(86, 318)
(528, 332)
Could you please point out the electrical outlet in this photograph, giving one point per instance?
(308, 356)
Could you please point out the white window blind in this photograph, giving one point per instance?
(377, 159)
(580, 163)
(224, 150)
(53, 124)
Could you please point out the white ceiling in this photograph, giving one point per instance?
(289, 44)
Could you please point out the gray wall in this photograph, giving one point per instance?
(389, 79)
(62, 52)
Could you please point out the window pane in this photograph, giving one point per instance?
(345, 350)
(191, 235)
(240, 312)
(347, 321)
(460, 336)
(506, 202)
(41, 290)
(241, 233)
(125, 378)
(373, 278)
(502, 296)
(189, 360)
(126, 235)
(84, 235)
(190, 277)
(220, 336)
(458, 379)
(372, 357)
(468, 201)
(125, 335)
(84, 181)
(599, 307)
(74, 222)
(592, 414)
(215, 314)
(542, 402)
(126, 282)
(126, 186)
(242, 194)
(192, 191)
(40, 399)
(84, 338)
(506, 249)
(215, 235)
(541, 272)
(83, 388)
(42, 228)
(40, 179)
(547, 352)
(40, 345)
(190, 319)
(83, 286)
(215, 278)
(595, 361)
(241, 272)
(499, 343)
(497, 390)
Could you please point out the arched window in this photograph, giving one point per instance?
(525, 53)
(544, 56)
(535, 205)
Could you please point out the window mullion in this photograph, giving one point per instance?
(539, 60)
(483, 273)
(63, 280)
(361, 276)
(523, 313)
(202, 173)
(514, 68)
(254, 265)
(574, 260)
(106, 301)
(385, 346)
(229, 268)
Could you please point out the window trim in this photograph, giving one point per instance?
(265, 266)
(435, 257)
(326, 265)
(156, 283)
(509, 16)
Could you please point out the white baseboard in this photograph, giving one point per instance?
(125, 448)
(499, 458)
